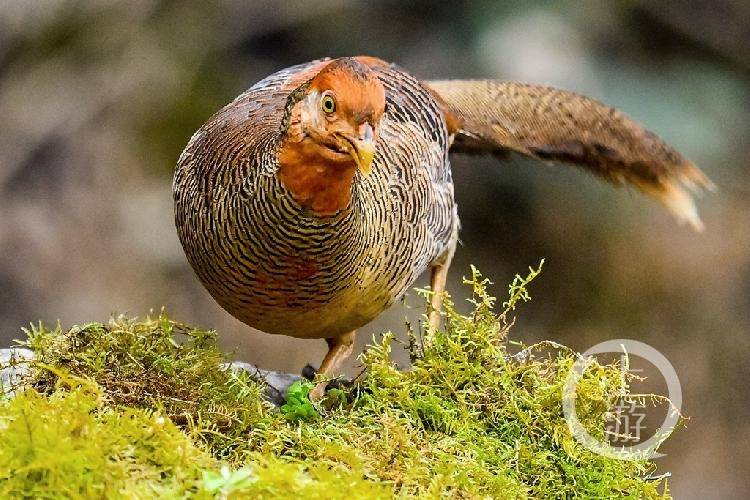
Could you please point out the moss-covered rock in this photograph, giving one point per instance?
(142, 408)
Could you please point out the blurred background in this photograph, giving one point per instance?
(98, 98)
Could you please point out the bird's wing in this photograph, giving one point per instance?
(553, 124)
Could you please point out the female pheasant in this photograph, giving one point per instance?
(310, 203)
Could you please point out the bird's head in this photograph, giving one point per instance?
(341, 110)
(329, 131)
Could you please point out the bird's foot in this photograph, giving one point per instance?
(318, 391)
(309, 372)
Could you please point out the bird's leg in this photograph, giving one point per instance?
(437, 285)
(339, 348)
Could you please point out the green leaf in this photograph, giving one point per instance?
(298, 406)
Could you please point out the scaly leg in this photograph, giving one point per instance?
(437, 285)
(339, 348)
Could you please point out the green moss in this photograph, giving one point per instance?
(71, 444)
(141, 408)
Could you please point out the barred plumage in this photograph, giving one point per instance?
(281, 269)
(320, 269)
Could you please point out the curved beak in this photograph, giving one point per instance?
(363, 149)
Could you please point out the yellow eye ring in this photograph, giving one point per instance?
(328, 104)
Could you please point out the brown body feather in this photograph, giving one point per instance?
(295, 247)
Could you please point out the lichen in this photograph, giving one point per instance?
(141, 408)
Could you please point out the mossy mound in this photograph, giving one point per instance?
(142, 409)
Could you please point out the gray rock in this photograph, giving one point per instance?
(276, 383)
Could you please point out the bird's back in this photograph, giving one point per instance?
(282, 269)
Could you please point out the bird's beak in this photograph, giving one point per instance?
(363, 149)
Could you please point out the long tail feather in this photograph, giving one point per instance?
(554, 124)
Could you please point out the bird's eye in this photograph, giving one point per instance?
(328, 104)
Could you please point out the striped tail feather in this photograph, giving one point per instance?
(552, 124)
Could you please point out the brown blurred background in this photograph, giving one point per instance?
(97, 99)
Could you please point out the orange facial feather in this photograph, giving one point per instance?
(359, 93)
(318, 184)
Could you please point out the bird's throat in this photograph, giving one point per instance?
(318, 182)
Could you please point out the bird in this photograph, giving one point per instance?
(315, 199)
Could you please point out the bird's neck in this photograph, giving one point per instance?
(318, 183)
